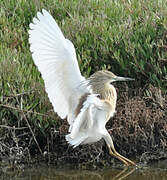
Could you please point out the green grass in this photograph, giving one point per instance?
(127, 37)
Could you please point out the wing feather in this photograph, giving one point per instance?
(56, 59)
(85, 118)
(89, 125)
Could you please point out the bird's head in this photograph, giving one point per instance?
(105, 77)
(100, 83)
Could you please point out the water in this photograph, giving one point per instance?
(43, 172)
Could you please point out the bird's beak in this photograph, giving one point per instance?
(117, 78)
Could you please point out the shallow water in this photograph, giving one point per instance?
(43, 172)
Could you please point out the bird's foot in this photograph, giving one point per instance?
(125, 160)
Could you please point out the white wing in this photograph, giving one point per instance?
(56, 59)
(84, 120)
(89, 125)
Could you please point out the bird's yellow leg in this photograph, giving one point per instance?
(114, 155)
(125, 160)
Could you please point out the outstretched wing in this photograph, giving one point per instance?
(56, 59)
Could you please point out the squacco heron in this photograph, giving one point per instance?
(86, 103)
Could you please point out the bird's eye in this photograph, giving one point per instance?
(98, 96)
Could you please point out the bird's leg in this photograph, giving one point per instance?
(114, 153)
(125, 160)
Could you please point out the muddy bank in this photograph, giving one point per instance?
(139, 132)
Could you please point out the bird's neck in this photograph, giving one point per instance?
(110, 94)
(107, 92)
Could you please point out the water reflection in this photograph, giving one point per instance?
(52, 173)
(124, 173)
